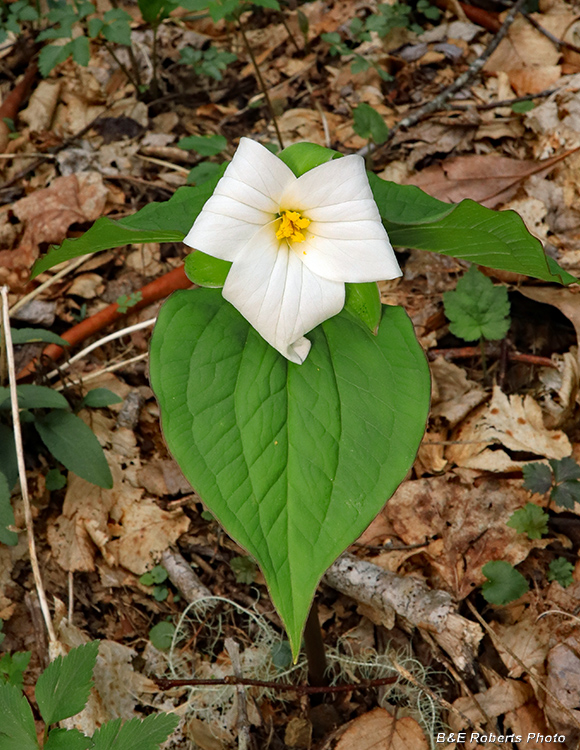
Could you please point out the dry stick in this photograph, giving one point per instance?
(103, 370)
(261, 82)
(501, 102)
(22, 469)
(548, 34)
(243, 725)
(49, 282)
(100, 342)
(464, 78)
(498, 643)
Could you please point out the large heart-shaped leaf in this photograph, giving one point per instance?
(294, 460)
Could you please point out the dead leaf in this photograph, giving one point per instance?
(514, 421)
(500, 698)
(454, 395)
(378, 730)
(87, 286)
(42, 105)
(529, 720)
(566, 300)
(563, 682)
(48, 213)
(528, 639)
(487, 179)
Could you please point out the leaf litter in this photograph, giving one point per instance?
(450, 517)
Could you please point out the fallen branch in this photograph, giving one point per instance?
(384, 595)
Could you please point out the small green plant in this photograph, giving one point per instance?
(245, 569)
(560, 479)
(561, 570)
(521, 108)
(477, 310)
(210, 62)
(14, 16)
(13, 666)
(61, 692)
(161, 635)
(530, 520)
(156, 578)
(504, 583)
(369, 124)
(126, 301)
(204, 145)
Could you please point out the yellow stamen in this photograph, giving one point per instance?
(292, 223)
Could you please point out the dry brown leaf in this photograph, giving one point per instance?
(144, 532)
(500, 698)
(488, 179)
(48, 213)
(454, 395)
(527, 639)
(516, 422)
(563, 682)
(378, 730)
(529, 720)
(42, 105)
(87, 286)
(467, 523)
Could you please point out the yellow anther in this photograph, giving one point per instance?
(292, 223)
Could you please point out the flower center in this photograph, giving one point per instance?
(292, 223)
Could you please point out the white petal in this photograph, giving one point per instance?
(279, 295)
(246, 198)
(362, 253)
(346, 240)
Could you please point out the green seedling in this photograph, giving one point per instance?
(504, 583)
(561, 479)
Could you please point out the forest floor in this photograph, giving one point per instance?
(83, 143)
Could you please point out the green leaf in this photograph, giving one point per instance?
(244, 568)
(564, 469)
(17, 728)
(13, 666)
(294, 460)
(281, 655)
(205, 145)
(566, 494)
(207, 170)
(537, 478)
(158, 574)
(504, 583)
(6, 515)
(477, 309)
(301, 157)
(496, 239)
(74, 444)
(100, 397)
(369, 124)
(32, 335)
(67, 739)
(50, 56)
(272, 4)
(364, 301)
(161, 635)
(34, 397)
(205, 270)
(80, 50)
(157, 222)
(561, 570)
(55, 480)
(8, 461)
(530, 520)
(63, 688)
(522, 107)
(135, 734)
(94, 26)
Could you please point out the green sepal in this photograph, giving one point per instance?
(364, 301)
(302, 157)
(205, 270)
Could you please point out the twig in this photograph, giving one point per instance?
(243, 725)
(464, 78)
(166, 684)
(548, 34)
(501, 103)
(261, 82)
(49, 282)
(109, 368)
(22, 469)
(465, 352)
(105, 340)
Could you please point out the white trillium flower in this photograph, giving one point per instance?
(293, 241)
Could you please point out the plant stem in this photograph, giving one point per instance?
(483, 358)
(155, 82)
(121, 65)
(261, 82)
(315, 652)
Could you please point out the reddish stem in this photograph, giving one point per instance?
(156, 290)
